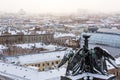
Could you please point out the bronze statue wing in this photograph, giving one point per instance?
(107, 54)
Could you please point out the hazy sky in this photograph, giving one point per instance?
(59, 6)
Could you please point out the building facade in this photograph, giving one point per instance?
(20, 39)
(116, 72)
(14, 50)
(43, 66)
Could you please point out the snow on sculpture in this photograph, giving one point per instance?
(86, 60)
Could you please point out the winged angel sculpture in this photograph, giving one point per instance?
(87, 60)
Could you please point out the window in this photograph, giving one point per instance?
(117, 74)
(38, 65)
(43, 64)
(56, 62)
(35, 64)
(52, 63)
(47, 63)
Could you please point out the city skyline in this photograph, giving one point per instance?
(59, 6)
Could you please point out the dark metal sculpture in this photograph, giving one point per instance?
(87, 60)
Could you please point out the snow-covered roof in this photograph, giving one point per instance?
(57, 35)
(49, 47)
(3, 47)
(105, 77)
(112, 31)
(22, 73)
(15, 31)
(118, 61)
(33, 67)
(11, 30)
(36, 58)
(41, 32)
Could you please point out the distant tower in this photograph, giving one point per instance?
(21, 12)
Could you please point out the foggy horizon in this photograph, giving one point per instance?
(59, 6)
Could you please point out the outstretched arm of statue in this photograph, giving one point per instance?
(66, 58)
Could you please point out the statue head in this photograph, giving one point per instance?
(86, 40)
(85, 46)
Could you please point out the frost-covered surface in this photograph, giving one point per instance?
(49, 47)
(56, 35)
(109, 66)
(46, 56)
(3, 47)
(36, 58)
(15, 31)
(118, 61)
(33, 67)
(11, 30)
(41, 32)
(91, 75)
(22, 73)
(105, 30)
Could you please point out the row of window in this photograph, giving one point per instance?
(42, 66)
(15, 39)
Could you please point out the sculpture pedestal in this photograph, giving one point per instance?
(89, 76)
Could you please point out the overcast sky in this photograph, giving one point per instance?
(59, 6)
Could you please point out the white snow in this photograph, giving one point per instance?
(118, 61)
(91, 75)
(3, 47)
(41, 32)
(15, 31)
(63, 35)
(36, 58)
(105, 30)
(22, 73)
(50, 75)
(38, 45)
(33, 67)
(51, 47)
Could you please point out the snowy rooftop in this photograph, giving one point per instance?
(3, 47)
(118, 60)
(36, 58)
(91, 75)
(57, 35)
(11, 30)
(15, 31)
(22, 73)
(39, 45)
(112, 31)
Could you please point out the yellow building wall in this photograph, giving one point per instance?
(47, 65)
